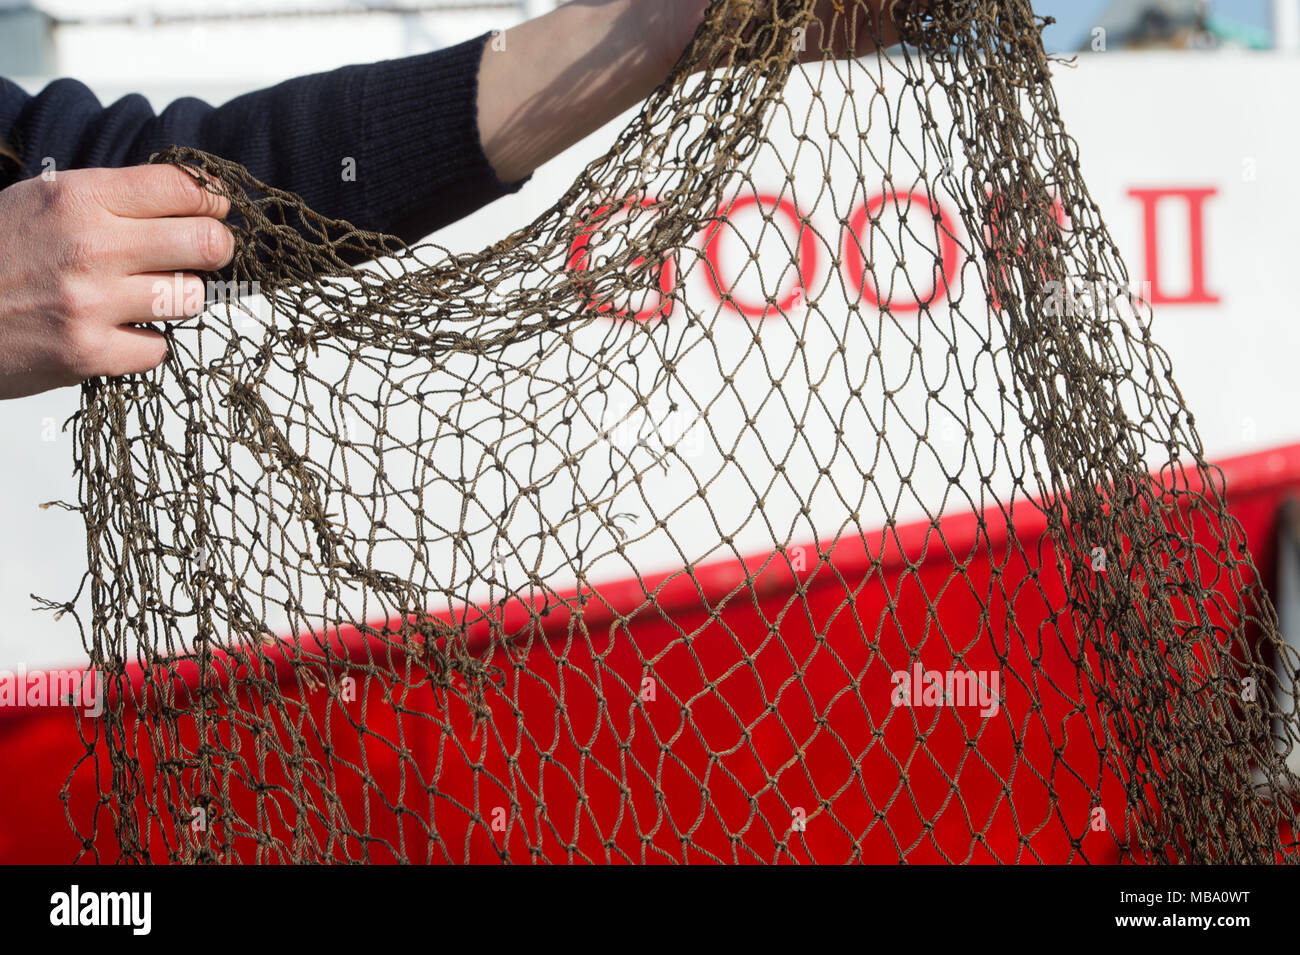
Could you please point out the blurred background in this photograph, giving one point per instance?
(1182, 109)
(255, 41)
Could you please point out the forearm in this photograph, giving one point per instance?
(548, 83)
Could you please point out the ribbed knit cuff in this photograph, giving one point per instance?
(421, 129)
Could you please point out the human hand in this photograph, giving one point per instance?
(82, 258)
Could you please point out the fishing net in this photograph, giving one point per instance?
(805, 485)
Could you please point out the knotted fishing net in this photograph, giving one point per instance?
(805, 485)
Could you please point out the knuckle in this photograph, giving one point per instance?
(174, 183)
(73, 302)
(66, 195)
(81, 251)
(211, 201)
(49, 203)
(213, 243)
(179, 190)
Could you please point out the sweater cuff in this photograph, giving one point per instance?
(421, 128)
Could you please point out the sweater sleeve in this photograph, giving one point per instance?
(390, 146)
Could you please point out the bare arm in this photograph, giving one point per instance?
(551, 81)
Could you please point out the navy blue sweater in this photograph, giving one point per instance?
(410, 125)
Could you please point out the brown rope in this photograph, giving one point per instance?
(345, 562)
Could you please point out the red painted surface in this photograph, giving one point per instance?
(798, 229)
(1195, 198)
(857, 241)
(770, 206)
(887, 787)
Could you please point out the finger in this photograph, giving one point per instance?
(157, 297)
(130, 351)
(176, 245)
(144, 192)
